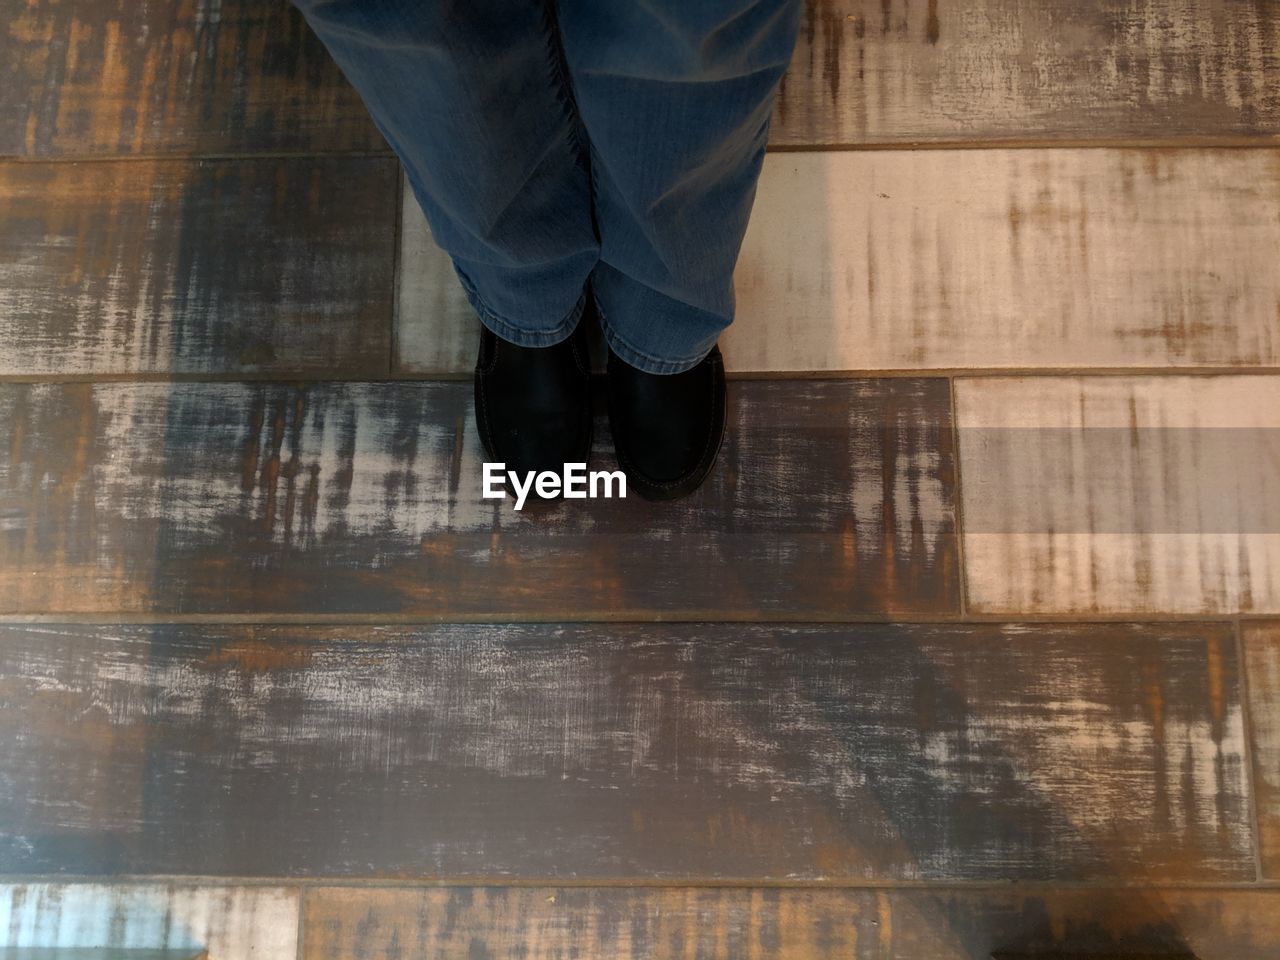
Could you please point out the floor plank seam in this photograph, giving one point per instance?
(1241, 142)
(300, 952)
(397, 270)
(387, 154)
(623, 618)
(957, 499)
(1215, 142)
(304, 884)
(307, 376)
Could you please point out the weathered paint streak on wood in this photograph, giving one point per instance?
(680, 751)
(893, 71)
(832, 496)
(278, 265)
(192, 76)
(101, 78)
(1262, 664)
(672, 923)
(1121, 494)
(230, 923)
(971, 259)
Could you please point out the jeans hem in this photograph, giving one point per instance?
(635, 357)
(514, 333)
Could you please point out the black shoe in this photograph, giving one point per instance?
(533, 404)
(667, 428)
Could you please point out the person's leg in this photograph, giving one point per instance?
(471, 95)
(676, 98)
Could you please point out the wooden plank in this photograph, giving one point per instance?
(271, 265)
(970, 259)
(1121, 494)
(688, 752)
(674, 923)
(108, 78)
(436, 330)
(893, 71)
(1262, 664)
(831, 497)
(92, 953)
(179, 919)
(88, 77)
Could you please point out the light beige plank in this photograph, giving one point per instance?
(230, 923)
(971, 259)
(889, 71)
(1262, 661)
(436, 330)
(1120, 494)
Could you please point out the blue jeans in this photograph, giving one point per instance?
(565, 146)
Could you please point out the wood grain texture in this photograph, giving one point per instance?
(197, 76)
(893, 71)
(970, 259)
(94, 953)
(436, 329)
(1121, 494)
(214, 922)
(88, 77)
(706, 752)
(1262, 660)
(671, 923)
(832, 496)
(269, 265)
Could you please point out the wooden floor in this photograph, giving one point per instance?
(971, 645)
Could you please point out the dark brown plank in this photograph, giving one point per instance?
(272, 265)
(1262, 660)
(708, 752)
(92, 77)
(831, 498)
(86, 78)
(973, 71)
(672, 923)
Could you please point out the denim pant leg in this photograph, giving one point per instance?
(676, 96)
(472, 95)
